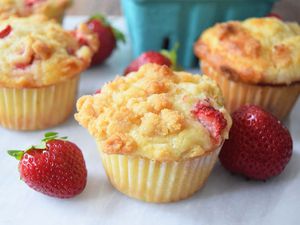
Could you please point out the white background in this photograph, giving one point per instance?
(225, 199)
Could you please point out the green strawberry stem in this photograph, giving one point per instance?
(172, 56)
(16, 153)
(119, 36)
(49, 136)
(101, 18)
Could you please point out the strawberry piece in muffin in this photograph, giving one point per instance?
(212, 119)
(31, 3)
(5, 32)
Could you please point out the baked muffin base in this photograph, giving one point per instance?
(277, 99)
(37, 108)
(159, 182)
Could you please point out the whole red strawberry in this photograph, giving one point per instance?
(147, 57)
(108, 37)
(259, 146)
(55, 168)
(164, 57)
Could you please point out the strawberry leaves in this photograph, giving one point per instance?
(52, 136)
(101, 18)
(172, 56)
(16, 153)
(119, 36)
(49, 136)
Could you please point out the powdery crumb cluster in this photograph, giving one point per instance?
(148, 113)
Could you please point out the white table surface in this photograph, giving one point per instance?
(225, 199)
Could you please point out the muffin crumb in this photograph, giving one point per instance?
(148, 114)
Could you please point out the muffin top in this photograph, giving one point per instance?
(37, 52)
(157, 114)
(49, 8)
(257, 50)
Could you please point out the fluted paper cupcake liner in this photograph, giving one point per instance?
(155, 181)
(279, 100)
(37, 108)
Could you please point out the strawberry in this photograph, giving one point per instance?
(56, 167)
(30, 3)
(259, 146)
(274, 15)
(164, 57)
(108, 37)
(25, 64)
(212, 119)
(98, 91)
(6, 31)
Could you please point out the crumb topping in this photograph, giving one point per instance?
(149, 113)
(37, 52)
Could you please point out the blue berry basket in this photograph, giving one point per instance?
(157, 24)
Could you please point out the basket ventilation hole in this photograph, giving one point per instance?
(166, 43)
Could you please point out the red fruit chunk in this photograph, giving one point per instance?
(81, 40)
(23, 65)
(212, 119)
(147, 57)
(70, 51)
(98, 91)
(32, 2)
(6, 31)
(274, 15)
(259, 146)
(56, 168)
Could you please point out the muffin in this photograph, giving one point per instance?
(40, 65)
(256, 61)
(159, 132)
(53, 9)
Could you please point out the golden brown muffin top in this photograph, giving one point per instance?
(50, 8)
(150, 114)
(257, 50)
(37, 52)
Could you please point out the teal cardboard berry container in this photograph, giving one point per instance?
(157, 24)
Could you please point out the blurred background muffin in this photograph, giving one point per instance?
(53, 9)
(256, 61)
(40, 64)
